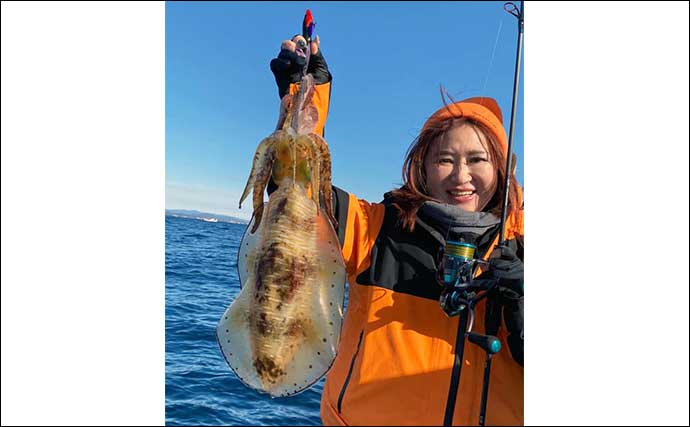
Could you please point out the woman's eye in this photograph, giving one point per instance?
(445, 160)
(477, 159)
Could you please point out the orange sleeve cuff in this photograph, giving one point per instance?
(321, 100)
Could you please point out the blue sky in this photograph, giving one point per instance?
(387, 60)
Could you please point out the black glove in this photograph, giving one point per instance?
(288, 66)
(507, 299)
(507, 269)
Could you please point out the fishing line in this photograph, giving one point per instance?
(491, 61)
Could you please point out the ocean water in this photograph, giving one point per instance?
(200, 282)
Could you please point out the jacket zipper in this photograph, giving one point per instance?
(457, 367)
(349, 374)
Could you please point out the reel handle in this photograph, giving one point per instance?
(489, 343)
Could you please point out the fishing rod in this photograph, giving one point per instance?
(520, 15)
(461, 292)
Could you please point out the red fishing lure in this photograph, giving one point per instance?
(308, 25)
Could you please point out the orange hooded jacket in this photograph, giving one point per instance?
(397, 349)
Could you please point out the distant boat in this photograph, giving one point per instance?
(210, 219)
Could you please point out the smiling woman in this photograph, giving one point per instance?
(459, 171)
(395, 336)
(459, 158)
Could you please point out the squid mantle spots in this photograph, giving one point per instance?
(263, 326)
(296, 328)
(294, 278)
(267, 369)
(280, 209)
(268, 259)
(266, 263)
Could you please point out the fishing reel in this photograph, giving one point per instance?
(455, 275)
(461, 291)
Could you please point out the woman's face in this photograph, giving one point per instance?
(459, 171)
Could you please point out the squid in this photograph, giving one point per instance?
(281, 334)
